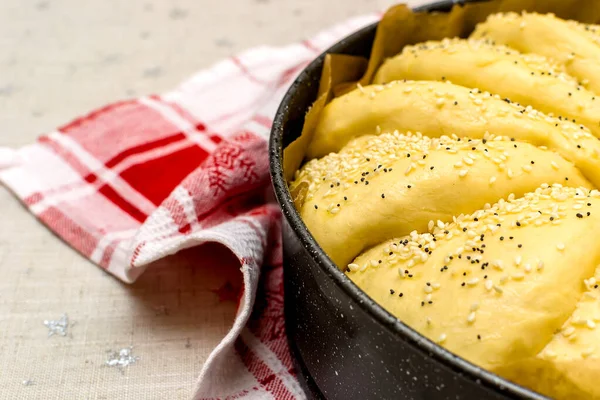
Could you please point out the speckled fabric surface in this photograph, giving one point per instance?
(61, 58)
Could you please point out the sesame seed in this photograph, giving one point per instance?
(568, 331)
(560, 246)
(353, 267)
(590, 282)
(473, 281)
(518, 260)
(518, 276)
(590, 324)
(498, 264)
(471, 317)
(463, 173)
(442, 338)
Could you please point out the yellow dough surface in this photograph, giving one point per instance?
(437, 108)
(385, 186)
(574, 45)
(528, 79)
(567, 368)
(496, 285)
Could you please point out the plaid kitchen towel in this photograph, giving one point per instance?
(141, 179)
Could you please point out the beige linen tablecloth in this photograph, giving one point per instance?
(58, 59)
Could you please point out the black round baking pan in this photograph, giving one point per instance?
(344, 344)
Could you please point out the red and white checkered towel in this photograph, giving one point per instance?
(141, 179)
